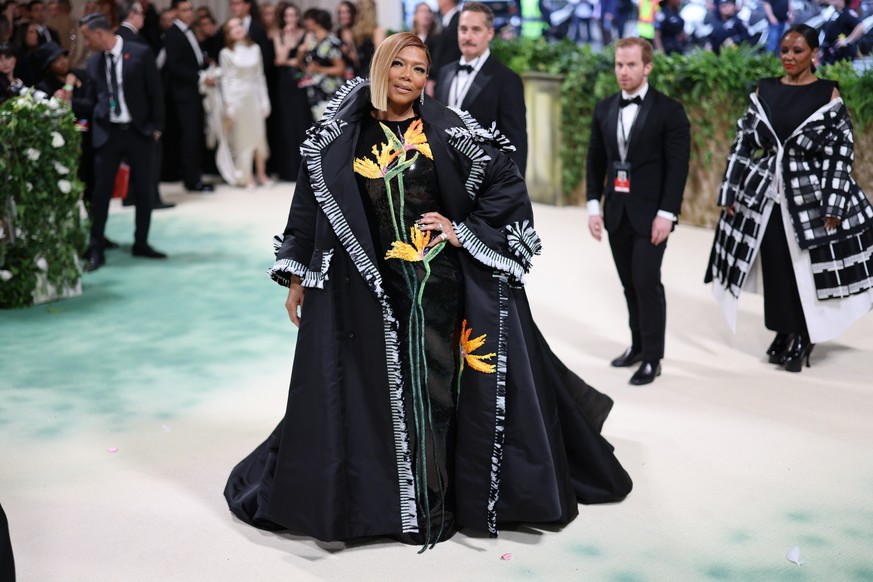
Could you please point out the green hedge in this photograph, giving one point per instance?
(41, 232)
(714, 90)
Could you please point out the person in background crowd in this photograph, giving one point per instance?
(637, 167)
(183, 65)
(321, 59)
(605, 13)
(268, 19)
(841, 33)
(670, 34)
(10, 85)
(367, 35)
(779, 13)
(210, 43)
(128, 117)
(346, 12)
(291, 106)
(64, 23)
(788, 197)
(39, 17)
(26, 41)
(425, 26)
(202, 11)
(109, 8)
(246, 104)
(728, 30)
(480, 84)
(447, 48)
(8, 17)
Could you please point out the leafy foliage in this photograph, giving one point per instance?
(713, 88)
(40, 226)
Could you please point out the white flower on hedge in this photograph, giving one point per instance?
(39, 95)
(57, 140)
(53, 103)
(65, 186)
(42, 264)
(5, 275)
(61, 169)
(33, 154)
(29, 187)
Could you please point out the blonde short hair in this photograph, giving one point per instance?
(645, 46)
(381, 64)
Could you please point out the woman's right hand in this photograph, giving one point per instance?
(731, 209)
(295, 300)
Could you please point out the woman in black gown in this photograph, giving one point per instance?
(788, 195)
(292, 105)
(423, 397)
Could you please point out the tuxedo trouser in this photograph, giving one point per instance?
(124, 142)
(783, 311)
(7, 564)
(638, 262)
(191, 142)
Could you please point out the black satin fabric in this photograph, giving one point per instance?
(7, 564)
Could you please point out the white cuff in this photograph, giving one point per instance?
(593, 208)
(668, 215)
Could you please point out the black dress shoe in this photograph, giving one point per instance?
(628, 358)
(777, 349)
(646, 374)
(160, 205)
(93, 261)
(200, 187)
(147, 252)
(109, 244)
(128, 201)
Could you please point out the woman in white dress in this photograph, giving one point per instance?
(246, 104)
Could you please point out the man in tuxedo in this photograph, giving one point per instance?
(128, 117)
(482, 85)
(638, 163)
(182, 70)
(447, 49)
(39, 16)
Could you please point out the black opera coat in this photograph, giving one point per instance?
(527, 443)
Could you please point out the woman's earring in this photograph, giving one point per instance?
(422, 97)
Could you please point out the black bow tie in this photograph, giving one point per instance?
(633, 100)
(468, 68)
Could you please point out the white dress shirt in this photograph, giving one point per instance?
(447, 17)
(463, 80)
(626, 118)
(124, 116)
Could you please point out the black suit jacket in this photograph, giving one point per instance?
(182, 70)
(142, 92)
(447, 49)
(129, 35)
(658, 150)
(496, 95)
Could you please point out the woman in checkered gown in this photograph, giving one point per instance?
(790, 200)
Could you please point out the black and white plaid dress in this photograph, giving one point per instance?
(809, 174)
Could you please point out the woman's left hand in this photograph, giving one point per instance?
(440, 226)
(831, 223)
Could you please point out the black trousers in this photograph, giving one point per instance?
(124, 143)
(191, 142)
(7, 564)
(783, 311)
(638, 262)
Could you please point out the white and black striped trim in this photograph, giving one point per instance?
(484, 254)
(312, 149)
(524, 242)
(339, 97)
(499, 404)
(282, 270)
(479, 133)
(461, 140)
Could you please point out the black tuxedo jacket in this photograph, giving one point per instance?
(658, 150)
(142, 92)
(447, 49)
(129, 35)
(496, 95)
(182, 71)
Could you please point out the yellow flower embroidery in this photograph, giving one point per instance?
(369, 169)
(468, 346)
(412, 253)
(414, 139)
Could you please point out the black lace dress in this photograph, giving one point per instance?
(424, 286)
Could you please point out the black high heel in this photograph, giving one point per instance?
(777, 349)
(799, 351)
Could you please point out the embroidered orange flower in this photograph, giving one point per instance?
(370, 169)
(412, 253)
(414, 139)
(468, 346)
